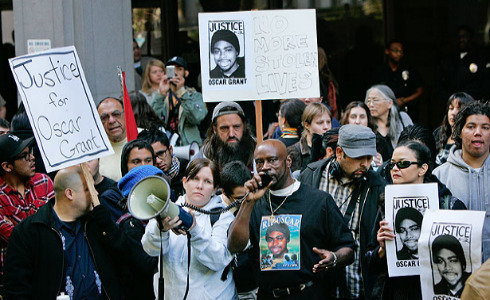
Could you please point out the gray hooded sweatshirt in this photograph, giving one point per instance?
(470, 186)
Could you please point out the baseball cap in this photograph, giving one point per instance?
(11, 145)
(226, 108)
(357, 141)
(177, 60)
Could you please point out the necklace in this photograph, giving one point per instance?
(279, 206)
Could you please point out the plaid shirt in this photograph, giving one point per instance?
(14, 207)
(341, 191)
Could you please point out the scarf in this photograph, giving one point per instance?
(174, 169)
(290, 133)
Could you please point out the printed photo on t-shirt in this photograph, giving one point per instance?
(279, 242)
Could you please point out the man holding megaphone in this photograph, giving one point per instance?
(192, 260)
(318, 237)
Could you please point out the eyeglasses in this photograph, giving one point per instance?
(162, 154)
(115, 114)
(25, 155)
(374, 100)
(403, 164)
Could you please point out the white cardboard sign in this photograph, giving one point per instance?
(405, 207)
(259, 55)
(450, 249)
(60, 107)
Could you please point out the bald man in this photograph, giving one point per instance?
(70, 246)
(315, 244)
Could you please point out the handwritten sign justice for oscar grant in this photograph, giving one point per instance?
(60, 107)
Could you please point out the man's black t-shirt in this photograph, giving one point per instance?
(322, 226)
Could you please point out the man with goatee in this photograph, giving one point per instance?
(229, 137)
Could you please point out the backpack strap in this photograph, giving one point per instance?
(213, 218)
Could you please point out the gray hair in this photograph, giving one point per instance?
(394, 119)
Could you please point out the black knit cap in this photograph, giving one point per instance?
(225, 35)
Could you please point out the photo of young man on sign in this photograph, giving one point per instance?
(227, 48)
(225, 54)
(408, 222)
(450, 265)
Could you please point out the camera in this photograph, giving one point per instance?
(170, 72)
(266, 179)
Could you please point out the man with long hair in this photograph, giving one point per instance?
(229, 137)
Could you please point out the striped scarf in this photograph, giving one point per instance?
(290, 133)
(174, 169)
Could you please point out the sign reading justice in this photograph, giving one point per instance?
(60, 107)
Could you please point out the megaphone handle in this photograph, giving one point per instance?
(159, 222)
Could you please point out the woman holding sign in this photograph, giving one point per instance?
(410, 164)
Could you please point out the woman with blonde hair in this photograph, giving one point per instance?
(152, 78)
(316, 119)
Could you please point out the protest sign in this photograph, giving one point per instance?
(60, 107)
(405, 206)
(450, 250)
(259, 55)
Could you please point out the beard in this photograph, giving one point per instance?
(226, 152)
(354, 176)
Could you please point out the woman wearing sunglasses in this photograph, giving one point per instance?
(411, 163)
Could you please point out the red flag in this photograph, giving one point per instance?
(131, 128)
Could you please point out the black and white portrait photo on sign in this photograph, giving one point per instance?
(404, 208)
(408, 223)
(226, 61)
(450, 250)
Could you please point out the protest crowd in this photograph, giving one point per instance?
(299, 214)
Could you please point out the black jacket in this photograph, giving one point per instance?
(34, 262)
(142, 267)
(371, 211)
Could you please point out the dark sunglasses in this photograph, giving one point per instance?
(403, 164)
